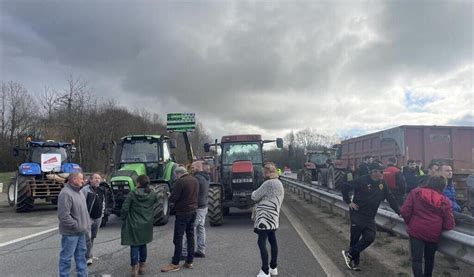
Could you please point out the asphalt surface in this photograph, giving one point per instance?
(232, 250)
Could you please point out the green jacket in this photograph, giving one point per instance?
(137, 216)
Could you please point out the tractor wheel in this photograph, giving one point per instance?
(109, 202)
(307, 176)
(162, 209)
(54, 201)
(11, 193)
(215, 212)
(24, 202)
(339, 178)
(104, 220)
(331, 178)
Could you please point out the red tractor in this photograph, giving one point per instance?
(322, 166)
(239, 171)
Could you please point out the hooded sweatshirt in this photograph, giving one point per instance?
(72, 211)
(427, 213)
(203, 179)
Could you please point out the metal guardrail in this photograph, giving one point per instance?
(454, 243)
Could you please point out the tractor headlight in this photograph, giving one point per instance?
(242, 180)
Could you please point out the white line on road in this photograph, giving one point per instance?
(28, 237)
(326, 263)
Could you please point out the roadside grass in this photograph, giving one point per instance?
(6, 176)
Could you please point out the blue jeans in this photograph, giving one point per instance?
(200, 233)
(73, 245)
(137, 253)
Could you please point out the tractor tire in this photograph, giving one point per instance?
(109, 202)
(11, 193)
(331, 182)
(54, 201)
(339, 178)
(215, 212)
(162, 209)
(104, 220)
(24, 202)
(307, 176)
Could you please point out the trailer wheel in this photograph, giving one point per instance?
(215, 212)
(307, 176)
(339, 178)
(24, 202)
(162, 209)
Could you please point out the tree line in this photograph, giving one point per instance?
(75, 112)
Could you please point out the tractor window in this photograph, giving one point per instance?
(166, 152)
(38, 150)
(140, 151)
(319, 158)
(241, 151)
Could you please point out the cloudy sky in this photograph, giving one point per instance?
(344, 67)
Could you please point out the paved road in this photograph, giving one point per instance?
(232, 251)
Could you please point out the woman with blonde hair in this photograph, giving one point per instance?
(268, 200)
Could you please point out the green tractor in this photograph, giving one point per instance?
(149, 155)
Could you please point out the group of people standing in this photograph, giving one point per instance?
(80, 209)
(426, 203)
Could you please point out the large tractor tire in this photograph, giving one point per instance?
(307, 176)
(215, 212)
(109, 202)
(24, 202)
(162, 209)
(339, 178)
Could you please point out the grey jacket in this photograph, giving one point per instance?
(72, 211)
(203, 179)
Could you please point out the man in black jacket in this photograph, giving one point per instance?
(364, 166)
(369, 192)
(95, 206)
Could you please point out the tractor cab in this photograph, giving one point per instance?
(142, 155)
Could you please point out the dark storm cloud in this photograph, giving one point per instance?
(244, 63)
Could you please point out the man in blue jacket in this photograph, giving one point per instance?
(447, 172)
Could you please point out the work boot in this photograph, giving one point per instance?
(141, 268)
(134, 271)
(170, 268)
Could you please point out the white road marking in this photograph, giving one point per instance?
(326, 263)
(28, 237)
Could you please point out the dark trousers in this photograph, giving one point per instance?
(184, 223)
(419, 249)
(263, 236)
(358, 244)
(399, 198)
(137, 253)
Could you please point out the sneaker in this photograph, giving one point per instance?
(89, 261)
(199, 255)
(170, 268)
(356, 268)
(273, 271)
(347, 259)
(188, 265)
(262, 274)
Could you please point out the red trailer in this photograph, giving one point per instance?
(454, 144)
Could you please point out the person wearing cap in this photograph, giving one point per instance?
(268, 198)
(369, 191)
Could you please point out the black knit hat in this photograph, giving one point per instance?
(376, 165)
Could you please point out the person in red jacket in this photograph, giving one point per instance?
(427, 212)
(395, 180)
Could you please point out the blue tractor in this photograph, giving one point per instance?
(43, 173)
